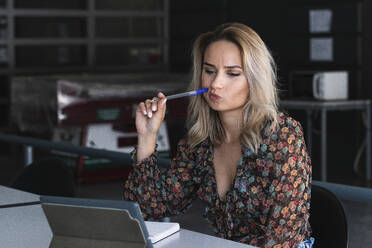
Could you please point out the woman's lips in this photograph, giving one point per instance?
(214, 97)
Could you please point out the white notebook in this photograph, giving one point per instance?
(160, 230)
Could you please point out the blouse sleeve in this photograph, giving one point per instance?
(163, 192)
(288, 201)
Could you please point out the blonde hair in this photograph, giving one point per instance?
(259, 68)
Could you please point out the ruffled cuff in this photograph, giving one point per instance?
(149, 161)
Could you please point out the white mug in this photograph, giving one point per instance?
(331, 85)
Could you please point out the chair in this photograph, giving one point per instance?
(49, 176)
(327, 219)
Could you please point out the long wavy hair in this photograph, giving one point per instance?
(259, 68)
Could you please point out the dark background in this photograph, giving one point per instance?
(283, 25)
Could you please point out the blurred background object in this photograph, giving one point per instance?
(48, 176)
(113, 53)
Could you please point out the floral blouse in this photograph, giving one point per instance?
(267, 205)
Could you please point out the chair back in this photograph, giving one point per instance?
(327, 219)
(49, 176)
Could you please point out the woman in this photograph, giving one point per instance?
(243, 158)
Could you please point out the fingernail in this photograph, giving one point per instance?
(153, 108)
(164, 101)
(150, 114)
(144, 112)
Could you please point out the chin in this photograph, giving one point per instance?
(219, 108)
(215, 107)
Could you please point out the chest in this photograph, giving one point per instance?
(225, 163)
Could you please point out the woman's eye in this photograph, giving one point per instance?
(208, 71)
(233, 74)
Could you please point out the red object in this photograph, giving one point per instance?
(85, 113)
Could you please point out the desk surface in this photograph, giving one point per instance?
(10, 196)
(26, 226)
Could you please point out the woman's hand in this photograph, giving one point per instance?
(149, 116)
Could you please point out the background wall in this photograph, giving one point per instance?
(275, 21)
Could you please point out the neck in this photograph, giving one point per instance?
(232, 123)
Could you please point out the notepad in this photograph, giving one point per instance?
(160, 230)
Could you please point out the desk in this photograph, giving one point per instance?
(324, 107)
(26, 226)
(10, 197)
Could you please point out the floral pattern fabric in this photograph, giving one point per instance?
(267, 205)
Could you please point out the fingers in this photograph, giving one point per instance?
(162, 98)
(142, 108)
(149, 107)
(145, 108)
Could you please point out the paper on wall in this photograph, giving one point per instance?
(321, 49)
(320, 20)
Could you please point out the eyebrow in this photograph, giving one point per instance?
(228, 66)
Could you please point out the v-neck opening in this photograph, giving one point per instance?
(240, 161)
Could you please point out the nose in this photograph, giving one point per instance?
(217, 82)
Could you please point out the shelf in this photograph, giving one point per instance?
(141, 5)
(323, 66)
(320, 3)
(38, 70)
(48, 41)
(86, 28)
(80, 13)
(50, 4)
(118, 13)
(77, 41)
(84, 68)
(107, 41)
(326, 36)
(81, 36)
(43, 12)
(330, 34)
(345, 17)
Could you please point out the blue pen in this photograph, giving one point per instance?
(190, 93)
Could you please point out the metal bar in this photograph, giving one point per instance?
(101, 68)
(51, 41)
(29, 155)
(364, 105)
(82, 13)
(166, 33)
(147, 40)
(46, 12)
(91, 32)
(368, 142)
(83, 41)
(42, 69)
(120, 13)
(323, 145)
(10, 33)
(66, 147)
